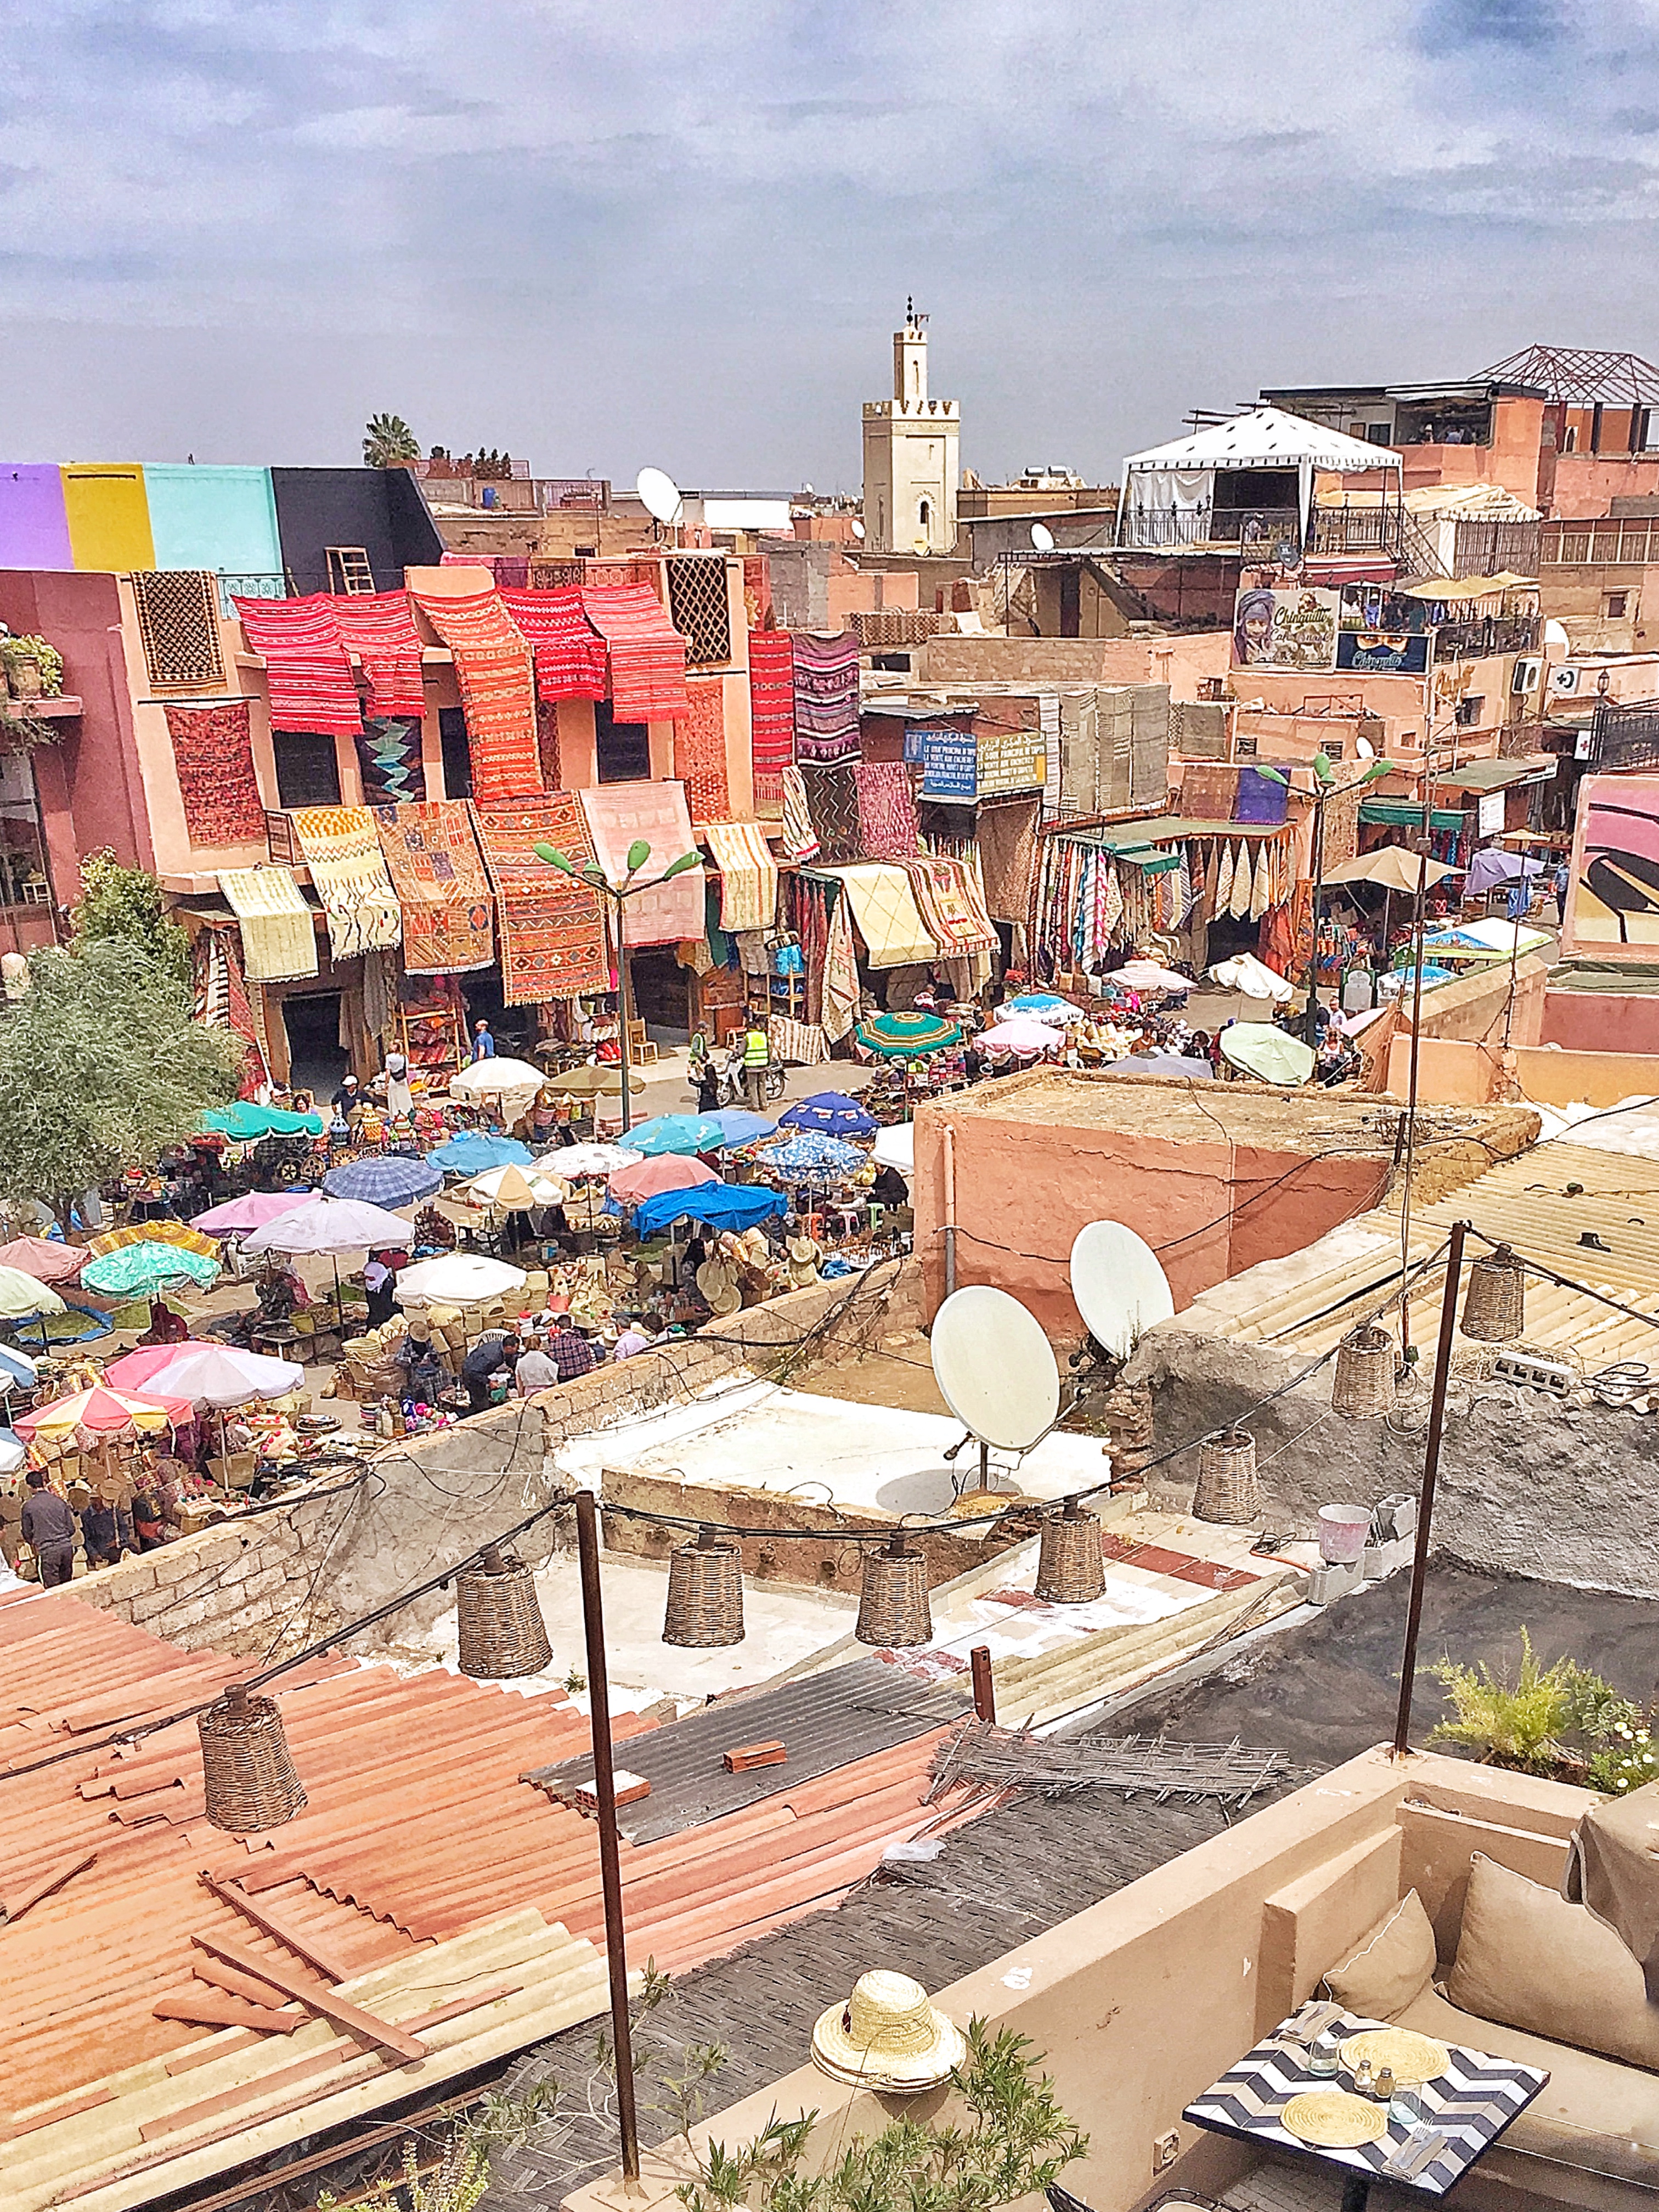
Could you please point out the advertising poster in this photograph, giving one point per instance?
(1613, 900)
(1294, 628)
(1383, 652)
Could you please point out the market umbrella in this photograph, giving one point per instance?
(719, 1205)
(470, 1153)
(332, 1226)
(218, 1376)
(15, 1368)
(1391, 868)
(1022, 1036)
(739, 1126)
(1260, 1049)
(101, 1415)
(1160, 1063)
(251, 1211)
(13, 1453)
(154, 1232)
(808, 1155)
(143, 1271)
(513, 1082)
(133, 1369)
(20, 1295)
(896, 1147)
(48, 1262)
(676, 1132)
(512, 1191)
(459, 1279)
(593, 1081)
(832, 1112)
(566, 1161)
(1148, 978)
(394, 1179)
(247, 1122)
(669, 1171)
(1245, 973)
(1045, 1006)
(898, 1037)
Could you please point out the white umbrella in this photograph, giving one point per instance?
(330, 1225)
(566, 1161)
(459, 1278)
(511, 1190)
(220, 1376)
(1253, 977)
(514, 1082)
(20, 1295)
(896, 1147)
(1146, 975)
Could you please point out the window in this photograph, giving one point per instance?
(1596, 428)
(308, 769)
(24, 880)
(1378, 433)
(458, 753)
(624, 749)
(1615, 606)
(924, 514)
(1570, 443)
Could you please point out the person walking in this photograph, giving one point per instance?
(379, 1280)
(48, 1531)
(399, 1098)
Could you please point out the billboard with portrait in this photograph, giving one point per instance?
(1294, 628)
(1383, 652)
(1612, 897)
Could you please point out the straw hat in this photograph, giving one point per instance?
(718, 1281)
(805, 1249)
(888, 2037)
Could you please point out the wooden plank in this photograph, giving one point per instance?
(47, 2115)
(237, 1985)
(744, 1756)
(315, 1996)
(209, 2008)
(54, 1878)
(204, 2054)
(330, 1964)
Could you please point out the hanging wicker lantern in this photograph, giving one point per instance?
(1364, 1372)
(1227, 1488)
(500, 1618)
(1495, 1304)
(705, 1594)
(1070, 1569)
(250, 1778)
(893, 1610)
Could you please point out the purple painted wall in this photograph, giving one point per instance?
(33, 527)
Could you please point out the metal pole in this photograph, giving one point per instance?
(1426, 1498)
(985, 1695)
(622, 1006)
(1310, 1032)
(604, 1794)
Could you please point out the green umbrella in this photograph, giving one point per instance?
(1259, 1049)
(246, 1122)
(896, 1036)
(141, 1271)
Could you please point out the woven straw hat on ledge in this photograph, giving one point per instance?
(888, 2036)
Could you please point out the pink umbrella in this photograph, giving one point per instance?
(1020, 1034)
(94, 1416)
(47, 1262)
(133, 1369)
(668, 1172)
(252, 1211)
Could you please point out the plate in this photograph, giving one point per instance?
(1414, 2059)
(1335, 2120)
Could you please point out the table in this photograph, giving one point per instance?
(1473, 2101)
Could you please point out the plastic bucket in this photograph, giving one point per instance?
(1342, 1533)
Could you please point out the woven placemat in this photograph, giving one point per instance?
(1334, 2119)
(1412, 2058)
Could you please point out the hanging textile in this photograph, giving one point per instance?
(379, 993)
(888, 829)
(1222, 900)
(757, 591)
(840, 992)
(885, 909)
(647, 654)
(1259, 799)
(826, 672)
(493, 673)
(349, 873)
(307, 673)
(551, 928)
(213, 756)
(222, 1000)
(432, 857)
(569, 652)
(1243, 885)
(796, 1044)
(952, 905)
(1342, 827)
(379, 627)
(800, 840)
(832, 804)
(619, 813)
(700, 752)
(771, 707)
(278, 941)
(749, 874)
(1112, 903)
(389, 757)
(1260, 896)
(1007, 838)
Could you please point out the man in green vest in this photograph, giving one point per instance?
(757, 1057)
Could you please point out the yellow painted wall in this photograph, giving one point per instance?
(108, 515)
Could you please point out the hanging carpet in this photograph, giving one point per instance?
(551, 928)
(619, 813)
(498, 696)
(213, 756)
(1007, 838)
(700, 752)
(951, 905)
(432, 857)
(569, 652)
(771, 707)
(749, 874)
(389, 756)
(349, 874)
(379, 627)
(278, 941)
(832, 802)
(307, 672)
(647, 654)
(887, 811)
(840, 992)
(826, 671)
(800, 838)
(885, 909)
(222, 1002)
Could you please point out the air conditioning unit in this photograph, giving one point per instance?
(1564, 681)
(1527, 669)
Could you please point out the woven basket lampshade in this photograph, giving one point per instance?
(893, 1609)
(1070, 1569)
(1494, 1306)
(500, 1618)
(1227, 1488)
(1364, 1372)
(250, 1778)
(705, 1594)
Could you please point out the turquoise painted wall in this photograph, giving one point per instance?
(213, 518)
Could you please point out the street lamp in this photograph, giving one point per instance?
(593, 876)
(1325, 787)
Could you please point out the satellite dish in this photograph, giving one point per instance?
(858, 529)
(807, 488)
(995, 1368)
(1042, 537)
(1364, 748)
(660, 494)
(1119, 1283)
(1555, 633)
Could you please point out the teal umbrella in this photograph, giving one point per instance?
(897, 1036)
(247, 1122)
(142, 1271)
(1260, 1048)
(676, 1132)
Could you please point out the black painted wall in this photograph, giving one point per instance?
(379, 509)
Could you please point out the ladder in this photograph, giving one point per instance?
(349, 569)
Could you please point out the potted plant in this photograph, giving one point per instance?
(34, 669)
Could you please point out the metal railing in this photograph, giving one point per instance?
(1156, 529)
(1482, 634)
(1492, 546)
(1354, 529)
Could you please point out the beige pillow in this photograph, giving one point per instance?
(1391, 1967)
(1528, 1958)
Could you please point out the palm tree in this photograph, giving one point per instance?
(388, 441)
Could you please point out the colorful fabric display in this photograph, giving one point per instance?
(213, 756)
(379, 627)
(700, 752)
(841, 973)
(952, 905)
(222, 1000)
(832, 800)
(826, 672)
(800, 838)
(278, 941)
(551, 926)
(771, 707)
(647, 654)
(1008, 840)
(620, 813)
(307, 672)
(349, 874)
(796, 1044)
(888, 829)
(749, 874)
(492, 669)
(432, 857)
(389, 757)
(885, 909)
(569, 652)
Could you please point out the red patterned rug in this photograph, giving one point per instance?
(306, 669)
(887, 811)
(498, 696)
(700, 752)
(214, 757)
(432, 857)
(570, 652)
(552, 930)
(379, 627)
(647, 654)
(771, 707)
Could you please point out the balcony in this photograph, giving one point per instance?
(1258, 531)
(1479, 635)
(1617, 541)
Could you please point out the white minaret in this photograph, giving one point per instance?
(911, 455)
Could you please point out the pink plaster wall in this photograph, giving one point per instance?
(1602, 1022)
(1458, 1074)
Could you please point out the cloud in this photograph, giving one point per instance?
(681, 231)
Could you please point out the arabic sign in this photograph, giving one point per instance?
(950, 764)
(1010, 760)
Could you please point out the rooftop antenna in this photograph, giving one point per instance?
(660, 496)
(1042, 537)
(1119, 1285)
(995, 1370)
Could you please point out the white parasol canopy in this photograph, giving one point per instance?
(514, 1082)
(330, 1225)
(20, 1295)
(1245, 973)
(510, 1189)
(1145, 976)
(459, 1278)
(1179, 479)
(566, 1161)
(222, 1376)
(896, 1147)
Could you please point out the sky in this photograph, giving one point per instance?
(682, 232)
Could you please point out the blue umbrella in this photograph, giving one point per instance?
(740, 1126)
(391, 1181)
(807, 1157)
(1161, 1063)
(721, 1206)
(832, 1112)
(470, 1153)
(676, 1132)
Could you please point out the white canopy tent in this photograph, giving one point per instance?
(1168, 489)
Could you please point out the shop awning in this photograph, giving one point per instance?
(1449, 588)
(1496, 775)
(1402, 813)
(1127, 840)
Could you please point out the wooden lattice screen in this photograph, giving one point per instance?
(697, 607)
(179, 625)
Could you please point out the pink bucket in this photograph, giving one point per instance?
(1342, 1533)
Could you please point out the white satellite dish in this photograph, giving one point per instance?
(1364, 748)
(1042, 537)
(661, 494)
(995, 1368)
(1555, 633)
(857, 528)
(1119, 1285)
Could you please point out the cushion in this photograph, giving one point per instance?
(1391, 1966)
(1529, 1959)
(1592, 2112)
